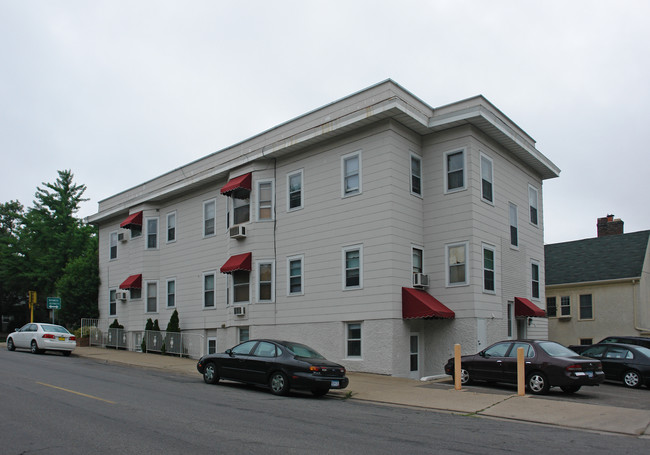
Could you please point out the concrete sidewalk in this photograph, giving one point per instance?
(409, 392)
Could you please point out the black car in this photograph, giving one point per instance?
(623, 362)
(547, 364)
(639, 341)
(280, 365)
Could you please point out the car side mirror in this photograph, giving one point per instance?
(229, 352)
(482, 353)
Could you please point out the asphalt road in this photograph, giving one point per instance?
(72, 405)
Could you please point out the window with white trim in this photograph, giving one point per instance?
(514, 226)
(209, 286)
(416, 175)
(151, 288)
(209, 217)
(112, 253)
(565, 305)
(534, 272)
(152, 233)
(265, 208)
(353, 267)
(351, 169)
(171, 227)
(454, 171)
(241, 210)
(212, 345)
(488, 269)
(295, 275)
(241, 286)
(171, 293)
(551, 307)
(112, 302)
(353, 340)
(487, 188)
(586, 307)
(416, 261)
(265, 281)
(244, 334)
(295, 193)
(456, 256)
(533, 199)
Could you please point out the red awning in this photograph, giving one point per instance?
(132, 220)
(132, 282)
(238, 262)
(239, 187)
(524, 307)
(417, 304)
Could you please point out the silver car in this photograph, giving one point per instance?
(39, 337)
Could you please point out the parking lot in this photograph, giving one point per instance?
(607, 394)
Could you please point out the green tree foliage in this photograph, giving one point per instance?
(12, 262)
(174, 324)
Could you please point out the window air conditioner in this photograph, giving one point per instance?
(239, 310)
(121, 237)
(121, 295)
(238, 232)
(420, 280)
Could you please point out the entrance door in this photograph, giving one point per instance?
(522, 328)
(414, 356)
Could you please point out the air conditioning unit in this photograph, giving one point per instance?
(238, 232)
(121, 237)
(121, 295)
(239, 310)
(420, 280)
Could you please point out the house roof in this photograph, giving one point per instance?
(599, 259)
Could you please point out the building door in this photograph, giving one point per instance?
(522, 328)
(414, 356)
(481, 334)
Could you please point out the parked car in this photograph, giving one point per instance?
(638, 341)
(279, 365)
(623, 362)
(547, 364)
(40, 337)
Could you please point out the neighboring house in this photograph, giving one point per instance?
(376, 229)
(598, 287)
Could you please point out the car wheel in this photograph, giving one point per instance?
(570, 388)
(320, 392)
(632, 379)
(34, 348)
(210, 374)
(538, 384)
(279, 383)
(10, 344)
(464, 377)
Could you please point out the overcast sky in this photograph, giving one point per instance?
(123, 91)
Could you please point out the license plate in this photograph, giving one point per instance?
(61, 338)
(590, 374)
(335, 384)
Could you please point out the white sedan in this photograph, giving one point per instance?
(39, 337)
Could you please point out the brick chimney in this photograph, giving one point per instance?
(609, 226)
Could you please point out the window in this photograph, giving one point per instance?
(265, 280)
(511, 321)
(112, 302)
(135, 294)
(454, 171)
(209, 290)
(171, 293)
(136, 231)
(241, 286)
(353, 342)
(535, 279)
(152, 233)
(514, 235)
(265, 349)
(352, 267)
(209, 217)
(457, 264)
(212, 345)
(244, 334)
(586, 307)
(414, 353)
(294, 195)
(498, 350)
(295, 274)
(113, 246)
(265, 201)
(416, 175)
(240, 210)
(551, 306)
(488, 268)
(586, 341)
(351, 165)
(486, 179)
(416, 254)
(171, 227)
(152, 297)
(532, 201)
(565, 305)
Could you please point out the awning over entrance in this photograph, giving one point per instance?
(524, 307)
(132, 282)
(239, 187)
(134, 220)
(417, 304)
(238, 262)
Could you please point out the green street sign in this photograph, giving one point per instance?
(54, 303)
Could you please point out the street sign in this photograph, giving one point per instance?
(54, 303)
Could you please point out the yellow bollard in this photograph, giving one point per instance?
(521, 373)
(457, 366)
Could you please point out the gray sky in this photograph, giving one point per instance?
(123, 91)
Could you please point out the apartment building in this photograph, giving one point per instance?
(376, 229)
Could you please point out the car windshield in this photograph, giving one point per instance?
(53, 328)
(300, 350)
(556, 350)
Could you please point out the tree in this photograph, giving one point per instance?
(13, 288)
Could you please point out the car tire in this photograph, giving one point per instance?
(210, 373)
(34, 347)
(570, 388)
(66, 353)
(10, 344)
(537, 383)
(278, 383)
(465, 378)
(632, 379)
(320, 392)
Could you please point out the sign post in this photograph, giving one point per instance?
(32, 301)
(53, 303)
